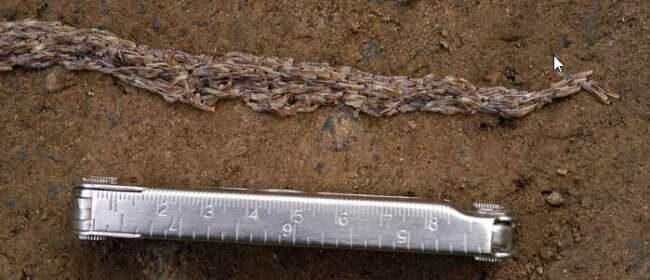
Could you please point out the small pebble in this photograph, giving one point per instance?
(445, 45)
(156, 25)
(90, 93)
(444, 33)
(404, 2)
(371, 49)
(555, 199)
(577, 238)
(412, 124)
(562, 172)
(587, 202)
(540, 270)
(55, 80)
(546, 253)
(492, 78)
(566, 41)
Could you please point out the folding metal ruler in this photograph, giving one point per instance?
(103, 209)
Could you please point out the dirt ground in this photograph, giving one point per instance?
(57, 126)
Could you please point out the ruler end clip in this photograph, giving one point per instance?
(501, 231)
(83, 220)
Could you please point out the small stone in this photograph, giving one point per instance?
(155, 24)
(512, 75)
(4, 262)
(577, 238)
(566, 41)
(412, 124)
(562, 172)
(404, 3)
(445, 45)
(555, 199)
(90, 93)
(492, 78)
(371, 50)
(55, 80)
(580, 266)
(587, 202)
(444, 33)
(546, 253)
(540, 270)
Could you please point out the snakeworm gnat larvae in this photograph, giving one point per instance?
(266, 84)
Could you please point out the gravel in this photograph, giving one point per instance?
(555, 199)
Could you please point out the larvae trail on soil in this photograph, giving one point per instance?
(266, 84)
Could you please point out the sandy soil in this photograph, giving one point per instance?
(58, 126)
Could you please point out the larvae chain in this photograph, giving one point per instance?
(266, 84)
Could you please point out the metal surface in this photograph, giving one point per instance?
(279, 217)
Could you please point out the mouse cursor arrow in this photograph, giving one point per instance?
(557, 65)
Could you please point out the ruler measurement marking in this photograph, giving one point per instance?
(465, 242)
(237, 231)
(180, 227)
(351, 237)
(436, 245)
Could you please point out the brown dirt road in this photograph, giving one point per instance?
(58, 126)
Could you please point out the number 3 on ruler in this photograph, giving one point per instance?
(207, 211)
